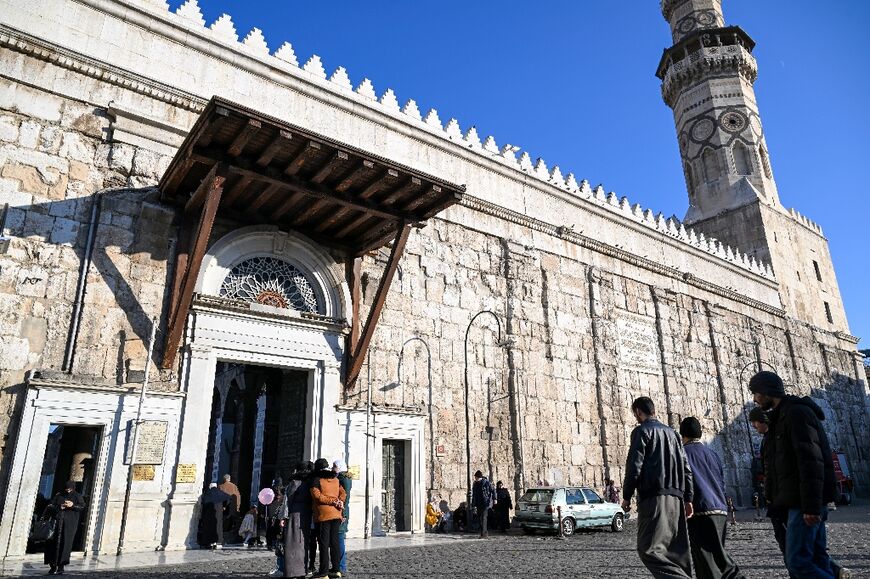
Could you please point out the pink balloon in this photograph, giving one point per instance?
(266, 496)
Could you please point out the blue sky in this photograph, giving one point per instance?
(573, 82)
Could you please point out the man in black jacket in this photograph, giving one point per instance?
(799, 474)
(657, 469)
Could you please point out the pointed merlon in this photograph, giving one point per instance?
(585, 190)
(693, 237)
(625, 205)
(612, 199)
(526, 162)
(412, 110)
(472, 139)
(315, 67)
(541, 171)
(389, 101)
(340, 78)
(571, 183)
(637, 211)
(509, 152)
(556, 177)
(649, 217)
(191, 12)
(432, 120)
(600, 194)
(224, 28)
(256, 41)
(453, 131)
(366, 89)
(490, 146)
(285, 53)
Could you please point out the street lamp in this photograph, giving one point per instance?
(467, 409)
(429, 379)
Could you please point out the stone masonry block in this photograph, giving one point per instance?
(9, 128)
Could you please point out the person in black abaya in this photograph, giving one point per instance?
(66, 508)
(211, 519)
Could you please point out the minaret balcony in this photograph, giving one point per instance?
(703, 62)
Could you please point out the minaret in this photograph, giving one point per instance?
(707, 77)
(707, 80)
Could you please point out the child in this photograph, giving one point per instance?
(249, 527)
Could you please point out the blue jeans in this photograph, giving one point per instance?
(342, 565)
(806, 548)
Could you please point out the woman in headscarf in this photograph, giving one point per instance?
(66, 508)
(295, 516)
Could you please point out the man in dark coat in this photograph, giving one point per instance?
(482, 498)
(799, 474)
(503, 506)
(66, 507)
(707, 525)
(657, 469)
(296, 520)
(211, 519)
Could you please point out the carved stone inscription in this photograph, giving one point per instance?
(152, 440)
(638, 343)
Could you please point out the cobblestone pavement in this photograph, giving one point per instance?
(586, 554)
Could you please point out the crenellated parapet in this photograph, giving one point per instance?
(254, 45)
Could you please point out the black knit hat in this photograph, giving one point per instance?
(767, 383)
(478, 474)
(690, 427)
(759, 415)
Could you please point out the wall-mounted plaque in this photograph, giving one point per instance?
(143, 472)
(638, 343)
(185, 473)
(152, 441)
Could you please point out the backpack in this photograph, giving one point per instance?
(486, 492)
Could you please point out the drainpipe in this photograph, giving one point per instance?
(135, 433)
(72, 337)
(368, 526)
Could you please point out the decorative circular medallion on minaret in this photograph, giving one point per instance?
(272, 282)
(732, 121)
(702, 130)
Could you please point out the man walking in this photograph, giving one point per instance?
(707, 525)
(656, 468)
(798, 475)
(482, 497)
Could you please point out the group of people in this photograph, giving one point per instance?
(486, 502)
(682, 506)
(308, 515)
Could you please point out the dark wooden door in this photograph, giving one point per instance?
(393, 486)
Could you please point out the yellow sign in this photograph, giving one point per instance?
(185, 473)
(353, 472)
(143, 472)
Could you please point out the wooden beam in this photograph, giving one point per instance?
(287, 205)
(356, 175)
(233, 193)
(199, 195)
(330, 220)
(356, 362)
(308, 212)
(264, 197)
(208, 133)
(302, 158)
(279, 142)
(354, 269)
(385, 181)
(297, 184)
(196, 252)
(352, 225)
(451, 198)
(243, 138)
(410, 185)
(428, 196)
(329, 168)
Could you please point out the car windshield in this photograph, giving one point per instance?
(538, 496)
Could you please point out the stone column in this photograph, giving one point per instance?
(192, 447)
(259, 429)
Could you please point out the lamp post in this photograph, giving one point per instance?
(467, 409)
(429, 379)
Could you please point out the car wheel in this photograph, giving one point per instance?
(567, 527)
(528, 531)
(618, 523)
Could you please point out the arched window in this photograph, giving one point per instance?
(690, 179)
(742, 158)
(711, 165)
(272, 282)
(765, 162)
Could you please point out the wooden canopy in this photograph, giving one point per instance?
(255, 169)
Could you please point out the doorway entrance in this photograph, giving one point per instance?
(70, 455)
(257, 431)
(394, 485)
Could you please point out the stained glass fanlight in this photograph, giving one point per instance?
(270, 281)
